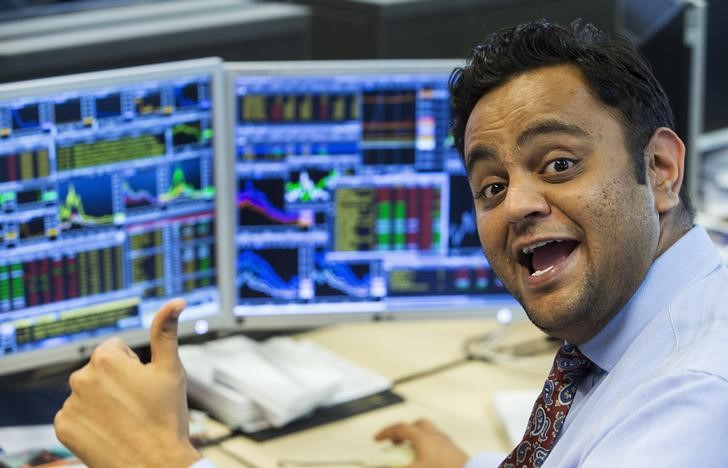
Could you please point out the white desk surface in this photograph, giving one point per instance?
(458, 400)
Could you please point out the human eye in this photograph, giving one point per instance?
(490, 191)
(559, 165)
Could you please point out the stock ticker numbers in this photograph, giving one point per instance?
(345, 193)
(106, 197)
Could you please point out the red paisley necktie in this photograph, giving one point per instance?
(550, 409)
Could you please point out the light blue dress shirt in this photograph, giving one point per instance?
(659, 394)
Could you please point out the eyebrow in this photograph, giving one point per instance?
(543, 127)
(546, 127)
(477, 154)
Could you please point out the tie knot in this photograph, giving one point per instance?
(570, 363)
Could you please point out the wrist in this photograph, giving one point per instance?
(180, 454)
(188, 455)
(203, 463)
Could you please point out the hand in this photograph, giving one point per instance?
(433, 449)
(124, 413)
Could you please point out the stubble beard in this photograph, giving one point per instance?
(588, 309)
(570, 320)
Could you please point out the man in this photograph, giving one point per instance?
(575, 171)
(576, 177)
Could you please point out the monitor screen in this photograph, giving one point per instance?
(107, 207)
(350, 197)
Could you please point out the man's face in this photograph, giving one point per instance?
(561, 217)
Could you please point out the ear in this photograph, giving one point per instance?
(665, 158)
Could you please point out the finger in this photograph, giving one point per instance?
(61, 426)
(78, 380)
(401, 432)
(387, 432)
(117, 343)
(163, 335)
(427, 426)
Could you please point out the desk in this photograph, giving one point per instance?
(457, 400)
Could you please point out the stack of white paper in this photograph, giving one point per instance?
(228, 406)
(258, 385)
(514, 408)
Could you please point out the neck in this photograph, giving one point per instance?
(673, 225)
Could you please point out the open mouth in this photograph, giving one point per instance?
(544, 256)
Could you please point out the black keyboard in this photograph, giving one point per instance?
(329, 414)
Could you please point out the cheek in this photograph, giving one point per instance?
(492, 237)
(594, 200)
(613, 217)
(485, 230)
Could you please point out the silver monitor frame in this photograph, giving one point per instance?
(81, 349)
(284, 320)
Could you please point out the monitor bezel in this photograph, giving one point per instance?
(280, 319)
(81, 349)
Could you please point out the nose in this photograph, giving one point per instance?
(524, 202)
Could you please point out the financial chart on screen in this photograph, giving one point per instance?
(107, 204)
(350, 195)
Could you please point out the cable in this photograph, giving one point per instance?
(431, 371)
(287, 463)
(487, 347)
(235, 456)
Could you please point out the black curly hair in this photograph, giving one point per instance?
(611, 65)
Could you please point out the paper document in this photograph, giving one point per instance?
(514, 408)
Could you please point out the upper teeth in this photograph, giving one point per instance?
(530, 248)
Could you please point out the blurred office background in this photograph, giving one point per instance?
(683, 39)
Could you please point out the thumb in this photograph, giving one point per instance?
(163, 335)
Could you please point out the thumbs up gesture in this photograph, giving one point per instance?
(124, 413)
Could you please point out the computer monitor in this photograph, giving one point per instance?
(350, 200)
(107, 207)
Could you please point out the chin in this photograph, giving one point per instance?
(561, 319)
(567, 311)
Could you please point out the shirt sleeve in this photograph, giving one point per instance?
(203, 463)
(675, 421)
(485, 460)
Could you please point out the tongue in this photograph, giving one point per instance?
(551, 254)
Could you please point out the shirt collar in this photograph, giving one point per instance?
(692, 257)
